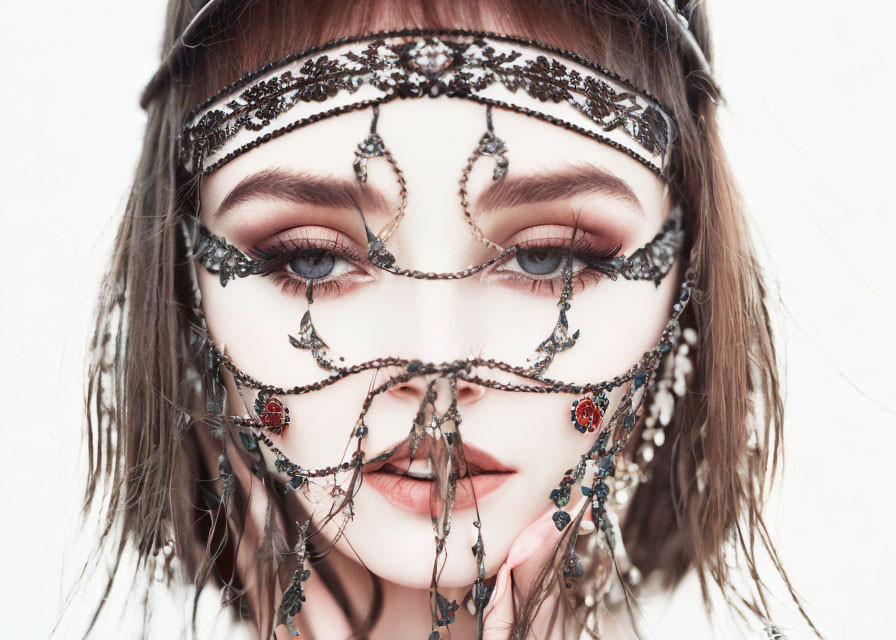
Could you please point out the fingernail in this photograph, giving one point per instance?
(500, 589)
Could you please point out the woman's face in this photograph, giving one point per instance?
(296, 193)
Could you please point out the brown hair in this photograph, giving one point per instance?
(146, 466)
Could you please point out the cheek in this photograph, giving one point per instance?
(618, 321)
(529, 432)
(252, 318)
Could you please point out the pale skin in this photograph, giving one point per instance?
(607, 196)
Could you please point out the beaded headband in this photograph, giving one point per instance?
(500, 71)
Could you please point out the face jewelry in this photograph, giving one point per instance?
(444, 428)
(560, 338)
(498, 72)
(651, 262)
(294, 596)
(373, 147)
(586, 413)
(774, 633)
(670, 385)
(489, 145)
(216, 255)
(271, 413)
(309, 340)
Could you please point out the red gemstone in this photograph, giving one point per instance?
(588, 414)
(584, 411)
(272, 416)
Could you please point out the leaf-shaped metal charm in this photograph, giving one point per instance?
(309, 340)
(294, 596)
(560, 338)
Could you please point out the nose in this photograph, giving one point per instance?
(415, 390)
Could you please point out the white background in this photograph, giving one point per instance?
(810, 130)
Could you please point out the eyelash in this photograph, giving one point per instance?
(596, 257)
(273, 262)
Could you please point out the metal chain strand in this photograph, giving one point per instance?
(390, 228)
(489, 144)
(461, 367)
(451, 275)
(651, 262)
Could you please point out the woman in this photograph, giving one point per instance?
(402, 280)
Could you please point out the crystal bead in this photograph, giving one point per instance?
(561, 519)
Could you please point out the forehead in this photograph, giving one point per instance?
(431, 141)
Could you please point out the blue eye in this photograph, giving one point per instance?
(539, 261)
(313, 264)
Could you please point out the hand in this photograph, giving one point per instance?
(528, 554)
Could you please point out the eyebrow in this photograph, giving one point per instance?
(556, 185)
(302, 188)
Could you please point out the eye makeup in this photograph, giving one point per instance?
(332, 261)
(538, 266)
(599, 254)
(336, 265)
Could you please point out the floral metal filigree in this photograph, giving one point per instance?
(309, 340)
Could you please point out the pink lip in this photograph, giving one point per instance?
(417, 495)
(485, 474)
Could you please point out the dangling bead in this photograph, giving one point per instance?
(561, 519)
(774, 633)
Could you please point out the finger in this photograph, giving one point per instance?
(544, 625)
(533, 547)
(498, 614)
(527, 556)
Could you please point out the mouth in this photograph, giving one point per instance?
(412, 485)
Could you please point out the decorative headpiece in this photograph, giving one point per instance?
(356, 73)
(501, 72)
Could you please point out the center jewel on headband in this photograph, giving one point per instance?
(505, 72)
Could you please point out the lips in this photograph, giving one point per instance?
(410, 486)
